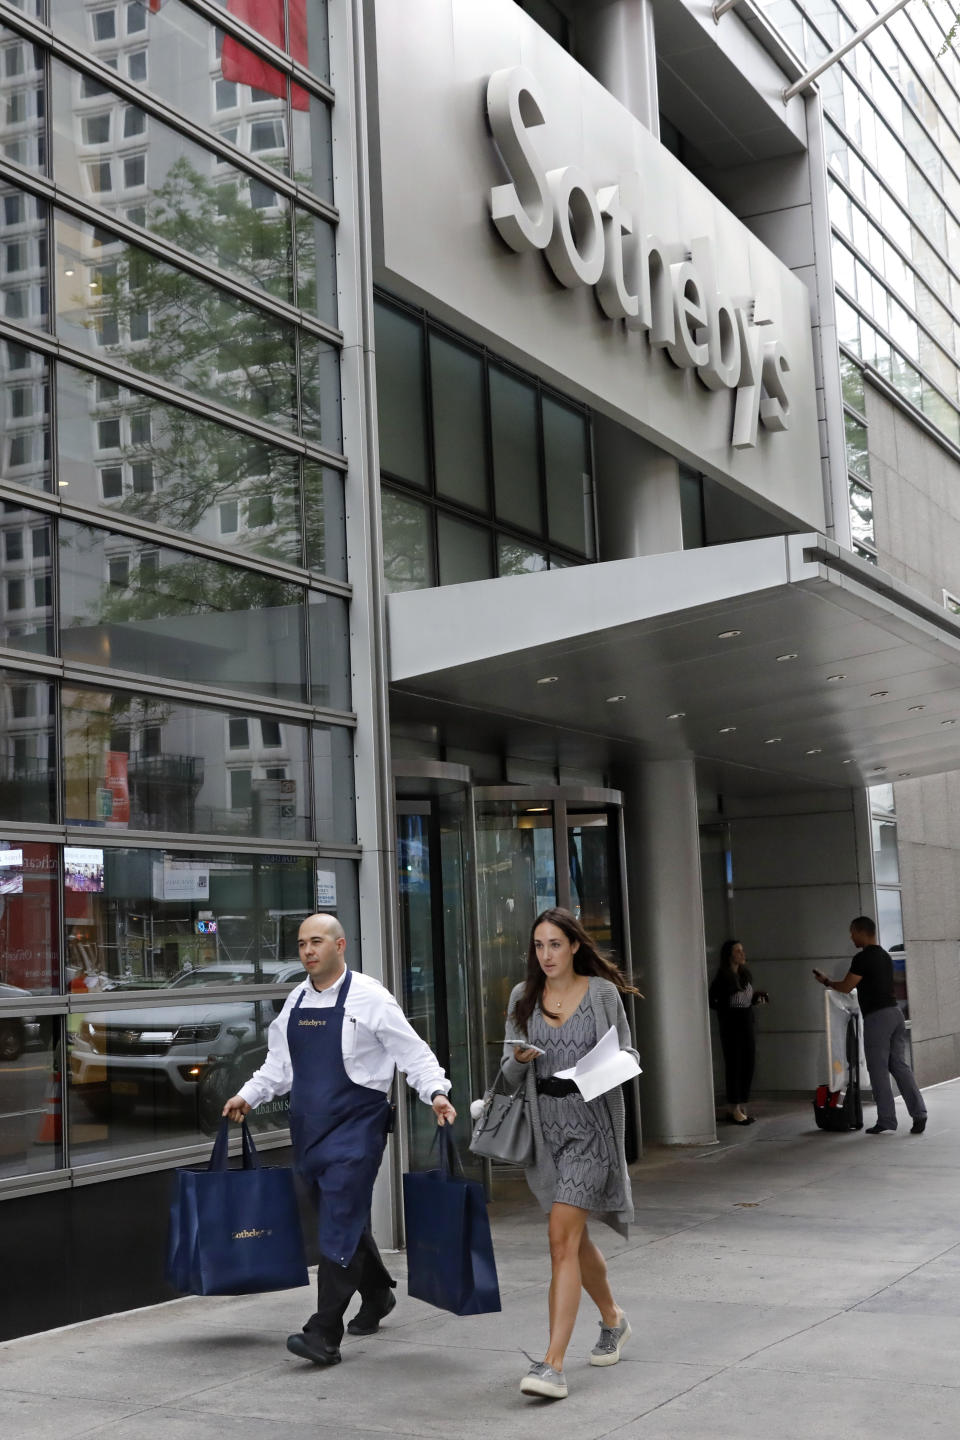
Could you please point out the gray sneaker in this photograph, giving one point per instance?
(542, 1379)
(611, 1342)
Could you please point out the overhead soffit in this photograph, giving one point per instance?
(726, 114)
(837, 676)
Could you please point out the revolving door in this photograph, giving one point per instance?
(476, 865)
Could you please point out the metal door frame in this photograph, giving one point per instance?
(559, 796)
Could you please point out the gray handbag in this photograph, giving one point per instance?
(504, 1130)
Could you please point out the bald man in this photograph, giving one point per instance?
(334, 1046)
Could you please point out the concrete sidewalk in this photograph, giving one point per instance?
(784, 1284)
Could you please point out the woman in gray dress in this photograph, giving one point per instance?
(570, 998)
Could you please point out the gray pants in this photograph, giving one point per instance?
(885, 1046)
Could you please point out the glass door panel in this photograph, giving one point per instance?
(451, 811)
(424, 1007)
(594, 876)
(516, 879)
(435, 942)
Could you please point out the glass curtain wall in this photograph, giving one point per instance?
(176, 742)
(892, 110)
(484, 471)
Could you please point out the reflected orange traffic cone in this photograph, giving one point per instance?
(51, 1126)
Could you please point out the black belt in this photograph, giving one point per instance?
(552, 1086)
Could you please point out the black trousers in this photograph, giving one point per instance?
(739, 1046)
(337, 1283)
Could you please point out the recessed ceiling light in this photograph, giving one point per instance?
(878, 694)
(615, 699)
(63, 484)
(727, 729)
(774, 740)
(915, 709)
(548, 679)
(903, 774)
(68, 272)
(729, 634)
(879, 769)
(836, 677)
(847, 762)
(948, 722)
(538, 809)
(790, 655)
(815, 750)
(677, 715)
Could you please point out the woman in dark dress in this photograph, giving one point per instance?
(733, 997)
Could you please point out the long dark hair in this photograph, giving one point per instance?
(587, 960)
(737, 979)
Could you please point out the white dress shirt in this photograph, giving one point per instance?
(377, 1037)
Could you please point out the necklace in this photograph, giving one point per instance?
(555, 1004)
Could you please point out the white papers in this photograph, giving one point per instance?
(602, 1068)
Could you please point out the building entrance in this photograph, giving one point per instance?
(476, 865)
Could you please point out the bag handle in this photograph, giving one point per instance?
(219, 1154)
(451, 1166)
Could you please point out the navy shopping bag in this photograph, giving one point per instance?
(450, 1260)
(235, 1232)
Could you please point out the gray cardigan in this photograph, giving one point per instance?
(542, 1174)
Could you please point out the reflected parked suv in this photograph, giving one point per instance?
(119, 1058)
(16, 1031)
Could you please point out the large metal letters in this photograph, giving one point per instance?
(665, 286)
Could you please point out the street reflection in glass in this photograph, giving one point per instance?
(31, 1100)
(145, 763)
(146, 918)
(27, 749)
(156, 1077)
(133, 605)
(29, 924)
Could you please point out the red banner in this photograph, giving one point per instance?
(240, 65)
(115, 781)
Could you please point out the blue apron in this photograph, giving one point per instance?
(338, 1128)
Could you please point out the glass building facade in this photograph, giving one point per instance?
(892, 129)
(176, 762)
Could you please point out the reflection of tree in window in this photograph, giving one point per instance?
(179, 468)
(202, 337)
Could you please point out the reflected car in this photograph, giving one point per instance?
(120, 1058)
(17, 1031)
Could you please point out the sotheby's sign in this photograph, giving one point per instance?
(522, 203)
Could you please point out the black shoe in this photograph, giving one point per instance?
(313, 1347)
(881, 1130)
(919, 1125)
(371, 1312)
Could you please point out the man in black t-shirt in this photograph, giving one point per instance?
(884, 1030)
